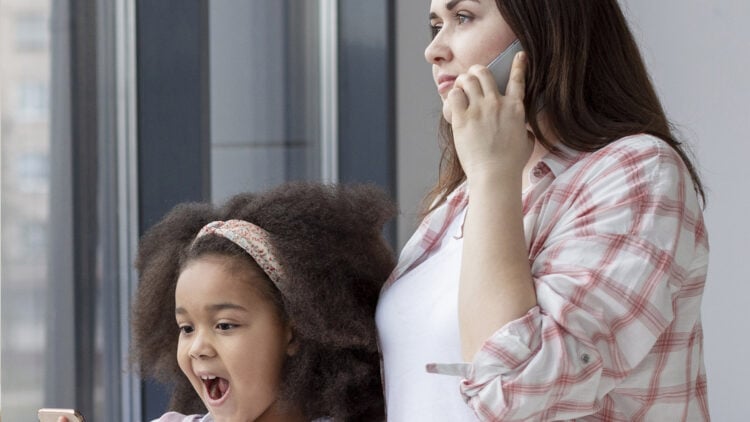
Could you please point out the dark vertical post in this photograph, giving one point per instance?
(173, 121)
(367, 95)
(84, 132)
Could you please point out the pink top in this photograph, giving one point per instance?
(179, 417)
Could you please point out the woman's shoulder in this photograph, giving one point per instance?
(641, 144)
(639, 165)
(642, 152)
(179, 417)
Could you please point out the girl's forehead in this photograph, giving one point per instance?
(206, 281)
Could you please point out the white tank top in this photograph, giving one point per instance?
(417, 318)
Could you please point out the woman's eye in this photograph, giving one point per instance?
(434, 29)
(460, 17)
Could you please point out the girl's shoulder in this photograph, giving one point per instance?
(179, 417)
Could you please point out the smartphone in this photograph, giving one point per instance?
(52, 415)
(500, 67)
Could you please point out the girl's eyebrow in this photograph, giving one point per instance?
(214, 308)
(450, 6)
(224, 306)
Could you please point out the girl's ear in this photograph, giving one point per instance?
(292, 345)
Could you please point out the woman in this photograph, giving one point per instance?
(563, 254)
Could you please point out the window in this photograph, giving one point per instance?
(26, 146)
(32, 32)
(61, 274)
(33, 172)
(266, 109)
(33, 101)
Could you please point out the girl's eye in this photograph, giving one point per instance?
(186, 329)
(224, 326)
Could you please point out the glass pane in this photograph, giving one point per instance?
(48, 358)
(265, 112)
(33, 113)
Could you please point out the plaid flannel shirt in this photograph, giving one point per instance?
(619, 254)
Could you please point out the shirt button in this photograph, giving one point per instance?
(538, 172)
(585, 358)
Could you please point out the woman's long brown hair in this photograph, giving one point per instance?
(585, 74)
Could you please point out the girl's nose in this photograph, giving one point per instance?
(201, 347)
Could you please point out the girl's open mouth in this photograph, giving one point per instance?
(216, 387)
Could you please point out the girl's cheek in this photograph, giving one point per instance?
(182, 357)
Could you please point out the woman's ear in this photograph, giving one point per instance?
(292, 345)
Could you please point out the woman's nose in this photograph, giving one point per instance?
(437, 50)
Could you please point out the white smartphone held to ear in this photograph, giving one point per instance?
(500, 67)
(53, 415)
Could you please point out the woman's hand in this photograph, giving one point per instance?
(489, 128)
(493, 146)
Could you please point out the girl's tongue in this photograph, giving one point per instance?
(216, 387)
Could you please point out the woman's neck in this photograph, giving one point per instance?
(536, 156)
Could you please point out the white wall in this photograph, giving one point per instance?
(698, 52)
(417, 113)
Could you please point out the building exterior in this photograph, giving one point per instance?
(25, 86)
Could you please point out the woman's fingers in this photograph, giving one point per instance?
(478, 84)
(517, 82)
(470, 83)
(485, 78)
(467, 91)
(456, 103)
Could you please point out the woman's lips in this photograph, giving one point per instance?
(445, 84)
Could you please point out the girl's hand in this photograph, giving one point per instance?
(489, 129)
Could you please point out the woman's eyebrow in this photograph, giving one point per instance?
(453, 3)
(450, 6)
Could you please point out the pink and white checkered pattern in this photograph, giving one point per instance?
(619, 254)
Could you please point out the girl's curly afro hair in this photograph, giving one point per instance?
(329, 241)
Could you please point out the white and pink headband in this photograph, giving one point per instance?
(254, 240)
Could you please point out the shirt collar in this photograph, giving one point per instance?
(560, 161)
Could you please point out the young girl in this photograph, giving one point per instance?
(263, 310)
(559, 272)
